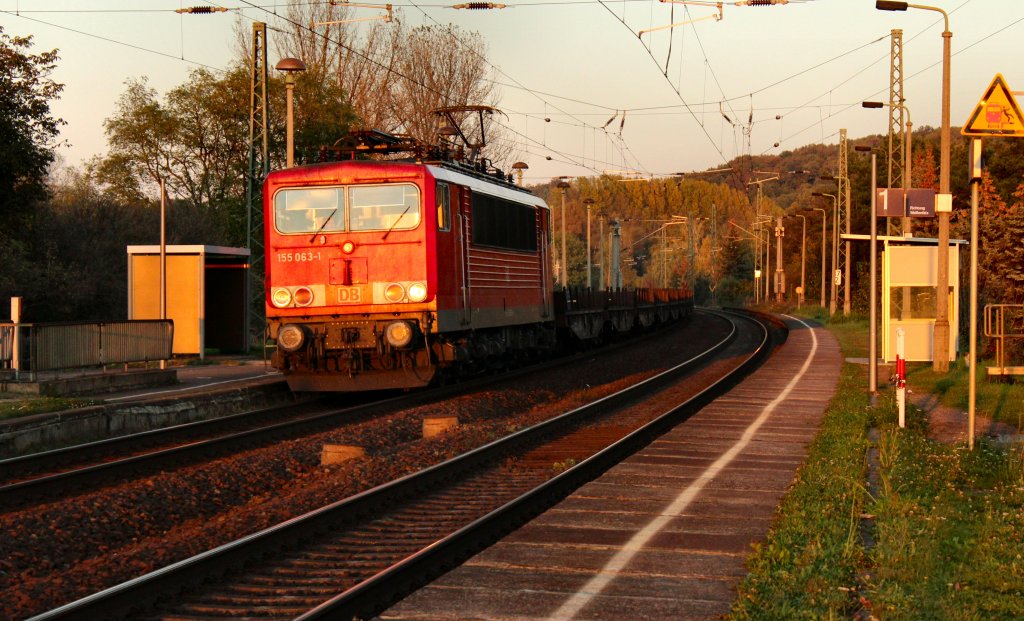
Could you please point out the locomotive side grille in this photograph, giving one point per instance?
(491, 269)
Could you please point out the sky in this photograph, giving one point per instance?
(582, 92)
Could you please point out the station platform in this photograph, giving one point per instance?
(664, 534)
(219, 387)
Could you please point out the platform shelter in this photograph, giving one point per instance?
(207, 293)
(909, 275)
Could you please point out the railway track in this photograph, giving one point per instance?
(354, 557)
(40, 477)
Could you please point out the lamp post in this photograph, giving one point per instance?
(873, 300)
(601, 216)
(824, 227)
(835, 247)
(940, 337)
(767, 261)
(564, 272)
(756, 236)
(761, 272)
(519, 167)
(589, 203)
(290, 66)
(803, 259)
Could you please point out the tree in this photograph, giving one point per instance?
(441, 67)
(1009, 260)
(140, 135)
(196, 140)
(28, 131)
(360, 60)
(394, 78)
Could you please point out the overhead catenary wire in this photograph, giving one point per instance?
(829, 111)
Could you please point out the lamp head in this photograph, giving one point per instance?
(289, 65)
(888, 5)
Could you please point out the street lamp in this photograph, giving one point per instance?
(940, 337)
(290, 66)
(758, 183)
(588, 202)
(756, 236)
(564, 272)
(759, 259)
(835, 247)
(803, 259)
(873, 332)
(824, 227)
(519, 167)
(907, 160)
(601, 217)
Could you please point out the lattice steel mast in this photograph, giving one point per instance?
(259, 166)
(843, 198)
(897, 140)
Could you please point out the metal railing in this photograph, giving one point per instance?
(78, 345)
(1004, 322)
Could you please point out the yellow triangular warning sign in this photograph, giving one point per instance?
(997, 114)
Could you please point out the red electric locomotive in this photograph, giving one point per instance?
(381, 274)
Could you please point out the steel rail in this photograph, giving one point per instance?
(40, 488)
(131, 596)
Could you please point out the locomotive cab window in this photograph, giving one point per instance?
(443, 195)
(383, 207)
(309, 210)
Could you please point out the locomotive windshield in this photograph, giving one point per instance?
(349, 208)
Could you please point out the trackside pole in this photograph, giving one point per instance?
(972, 387)
(16, 309)
(901, 378)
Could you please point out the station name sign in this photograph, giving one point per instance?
(920, 203)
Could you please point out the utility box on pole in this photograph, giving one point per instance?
(207, 295)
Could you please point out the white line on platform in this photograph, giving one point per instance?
(612, 568)
(163, 392)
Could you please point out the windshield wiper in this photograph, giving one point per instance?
(407, 208)
(322, 226)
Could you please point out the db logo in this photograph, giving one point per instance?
(349, 295)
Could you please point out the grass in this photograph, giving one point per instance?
(18, 406)
(944, 523)
(948, 530)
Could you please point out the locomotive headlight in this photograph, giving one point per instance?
(394, 292)
(398, 334)
(348, 247)
(417, 292)
(290, 337)
(302, 296)
(281, 297)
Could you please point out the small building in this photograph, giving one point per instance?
(207, 294)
